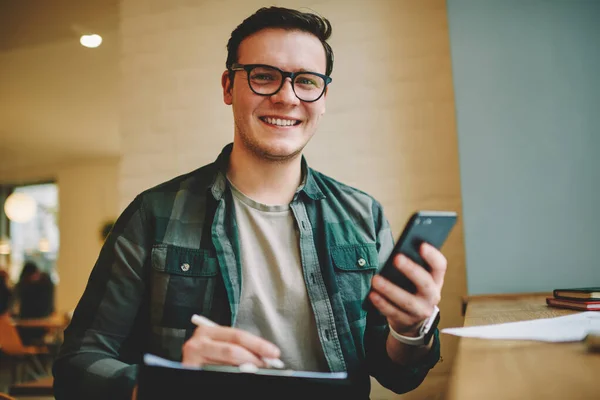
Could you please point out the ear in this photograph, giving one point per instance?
(325, 98)
(227, 86)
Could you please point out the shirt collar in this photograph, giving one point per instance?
(219, 182)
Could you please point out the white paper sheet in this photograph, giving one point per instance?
(570, 328)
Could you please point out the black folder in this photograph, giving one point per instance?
(169, 380)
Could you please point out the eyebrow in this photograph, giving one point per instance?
(298, 70)
(314, 71)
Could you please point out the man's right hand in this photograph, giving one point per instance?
(222, 345)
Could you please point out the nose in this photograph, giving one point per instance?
(286, 94)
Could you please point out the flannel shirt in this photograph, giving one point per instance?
(174, 252)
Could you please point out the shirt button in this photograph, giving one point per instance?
(361, 262)
(185, 267)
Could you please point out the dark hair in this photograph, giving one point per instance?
(29, 269)
(284, 18)
(5, 292)
(105, 229)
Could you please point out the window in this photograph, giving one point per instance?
(37, 238)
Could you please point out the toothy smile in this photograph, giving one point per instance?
(280, 121)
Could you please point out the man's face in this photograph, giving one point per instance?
(256, 128)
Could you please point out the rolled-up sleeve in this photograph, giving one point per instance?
(97, 358)
(393, 376)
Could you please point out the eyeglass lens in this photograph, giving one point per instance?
(267, 81)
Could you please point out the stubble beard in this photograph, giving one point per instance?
(263, 153)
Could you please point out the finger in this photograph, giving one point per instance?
(191, 352)
(421, 278)
(401, 299)
(202, 350)
(437, 262)
(403, 322)
(223, 353)
(247, 340)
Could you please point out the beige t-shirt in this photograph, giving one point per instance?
(274, 302)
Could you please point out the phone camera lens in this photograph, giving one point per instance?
(427, 221)
(418, 221)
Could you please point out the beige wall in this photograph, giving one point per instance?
(389, 127)
(87, 195)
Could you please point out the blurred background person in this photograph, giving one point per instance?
(6, 294)
(35, 296)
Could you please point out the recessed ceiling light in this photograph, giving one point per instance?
(91, 41)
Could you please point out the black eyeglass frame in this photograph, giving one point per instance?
(284, 74)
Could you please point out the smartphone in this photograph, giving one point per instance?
(432, 227)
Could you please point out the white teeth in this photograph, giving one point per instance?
(279, 121)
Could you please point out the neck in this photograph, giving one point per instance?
(265, 181)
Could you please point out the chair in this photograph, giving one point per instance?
(21, 355)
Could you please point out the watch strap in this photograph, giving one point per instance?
(425, 332)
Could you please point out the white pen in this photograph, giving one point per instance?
(271, 362)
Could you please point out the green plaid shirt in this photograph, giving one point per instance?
(175, 252)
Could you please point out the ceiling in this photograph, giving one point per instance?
(58, 99)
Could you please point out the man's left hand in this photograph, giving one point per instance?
(405, 311)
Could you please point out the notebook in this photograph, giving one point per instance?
(163, 379)
(574, 304)
(590, 293)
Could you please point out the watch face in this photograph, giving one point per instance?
(429, 333)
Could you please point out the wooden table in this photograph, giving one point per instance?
(54, 326)
(515, 369)
(54, 321)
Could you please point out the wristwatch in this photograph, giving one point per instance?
(425, 332)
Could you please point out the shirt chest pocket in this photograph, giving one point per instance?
(183, 283)
(355, 266)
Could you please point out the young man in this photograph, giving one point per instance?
(278, 255)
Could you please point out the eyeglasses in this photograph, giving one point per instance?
(266, 80)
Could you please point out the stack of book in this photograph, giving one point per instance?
(585, 299)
